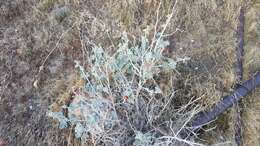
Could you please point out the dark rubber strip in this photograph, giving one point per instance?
(228, 101)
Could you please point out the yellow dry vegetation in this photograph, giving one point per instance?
(64, 90)
(251, 117)
(207, 34)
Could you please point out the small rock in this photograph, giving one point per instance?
(35, 84)
(19, 51)
(2, 142)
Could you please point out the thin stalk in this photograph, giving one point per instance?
(239, 74)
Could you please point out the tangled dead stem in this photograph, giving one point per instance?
(41, 39)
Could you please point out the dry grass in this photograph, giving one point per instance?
(252, 64)
(203, 30)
